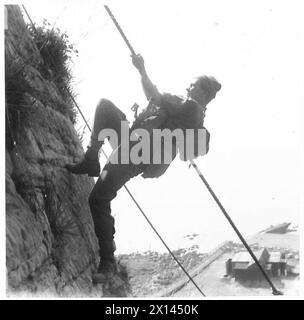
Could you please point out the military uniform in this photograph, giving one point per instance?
(172, 112)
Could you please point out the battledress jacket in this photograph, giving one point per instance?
(171, 113)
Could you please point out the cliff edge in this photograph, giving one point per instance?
(51, 244)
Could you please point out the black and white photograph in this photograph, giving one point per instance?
(153, 150)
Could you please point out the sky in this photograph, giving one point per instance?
(256, 150)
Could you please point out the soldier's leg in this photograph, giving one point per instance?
(107, 116)
(105, 190)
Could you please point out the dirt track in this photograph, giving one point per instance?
(213, 283)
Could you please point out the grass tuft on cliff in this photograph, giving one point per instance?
(57, 53)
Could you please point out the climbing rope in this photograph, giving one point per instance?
(126, 188)
(164, 243)
(274, 289)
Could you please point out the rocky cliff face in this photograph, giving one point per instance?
(51, 245)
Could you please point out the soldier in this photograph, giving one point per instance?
(164, 111)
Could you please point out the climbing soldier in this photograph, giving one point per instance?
(164, 111)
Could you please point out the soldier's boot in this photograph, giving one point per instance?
(89, 165)
(106, 270)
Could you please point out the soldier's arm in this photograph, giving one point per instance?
(149, 88)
